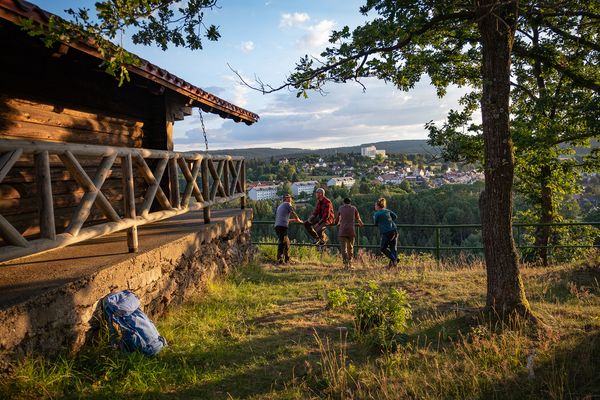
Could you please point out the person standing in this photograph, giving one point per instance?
(384, 219)
(282, 220)
(321, 217)
(347, 216)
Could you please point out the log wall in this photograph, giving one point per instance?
(45, 95)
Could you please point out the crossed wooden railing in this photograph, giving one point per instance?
(222, 179)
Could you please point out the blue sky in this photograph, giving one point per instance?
(265, 39)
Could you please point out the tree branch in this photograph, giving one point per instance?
(580, 80)
(464, 15)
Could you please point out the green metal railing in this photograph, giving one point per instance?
(438, 248)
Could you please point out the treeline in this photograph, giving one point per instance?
(446, 205)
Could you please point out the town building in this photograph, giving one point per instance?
(263, 192)
(371, 152)
(307, 187)
(346, 181)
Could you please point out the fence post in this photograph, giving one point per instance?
(437, 244)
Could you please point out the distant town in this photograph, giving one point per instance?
(301, 174)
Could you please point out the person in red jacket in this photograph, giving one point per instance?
(321, 217)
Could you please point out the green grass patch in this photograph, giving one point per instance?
(265, 332)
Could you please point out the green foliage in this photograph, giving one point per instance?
(380, 316)
(154, 22)
(338, 298)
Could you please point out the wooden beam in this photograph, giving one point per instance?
(10, 234)
(129, 201)
(235, 171)
(35, 146)
(92, 188)
(190, 177)
(154, 189)
(7, 161)
(151, 180)
(217, 186)
(175, 197)
(226, 177)
(46, 203)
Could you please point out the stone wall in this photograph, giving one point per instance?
(63, 318)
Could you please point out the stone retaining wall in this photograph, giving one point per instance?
(62, 319)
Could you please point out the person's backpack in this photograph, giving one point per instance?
(129, 327)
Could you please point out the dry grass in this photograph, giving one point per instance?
(265, 333)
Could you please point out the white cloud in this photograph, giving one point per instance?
(248, 46)
(292, 20)
(317, 35)
(344, 117)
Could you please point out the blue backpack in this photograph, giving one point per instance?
(129, 326)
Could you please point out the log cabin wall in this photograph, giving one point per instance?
(47, 94)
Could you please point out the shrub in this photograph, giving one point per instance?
(380, 316)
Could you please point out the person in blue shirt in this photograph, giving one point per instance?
(384, 219)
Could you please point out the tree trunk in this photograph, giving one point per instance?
(542, 234)
(505, 292)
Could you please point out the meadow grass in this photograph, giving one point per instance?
(264, 332)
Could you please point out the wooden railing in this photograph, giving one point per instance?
(209, 180)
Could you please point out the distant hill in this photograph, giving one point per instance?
(392, 146)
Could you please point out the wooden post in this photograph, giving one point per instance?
(226, 177)
(174, 183)
(205, 190)
(44, 186)
(243, 181)
(129, 201)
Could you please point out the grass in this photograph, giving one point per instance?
(265, 332)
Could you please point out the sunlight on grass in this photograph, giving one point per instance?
(265, 332)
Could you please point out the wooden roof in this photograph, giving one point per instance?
(15, 10)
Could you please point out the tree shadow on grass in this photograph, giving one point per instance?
(569, 372)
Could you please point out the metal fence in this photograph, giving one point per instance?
(439, 246)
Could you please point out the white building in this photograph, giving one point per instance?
(346, 181)
(304, 187)
(263, 192)
(371, 152)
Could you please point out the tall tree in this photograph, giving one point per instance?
(464, 43)
(550, 115)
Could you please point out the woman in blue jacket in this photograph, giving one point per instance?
(384, 219)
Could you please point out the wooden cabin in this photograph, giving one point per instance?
(62, 94)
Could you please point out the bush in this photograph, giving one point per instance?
(380, 316)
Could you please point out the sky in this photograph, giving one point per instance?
(265, 39)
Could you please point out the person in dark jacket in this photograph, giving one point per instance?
(321, 217)
(384, 219)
